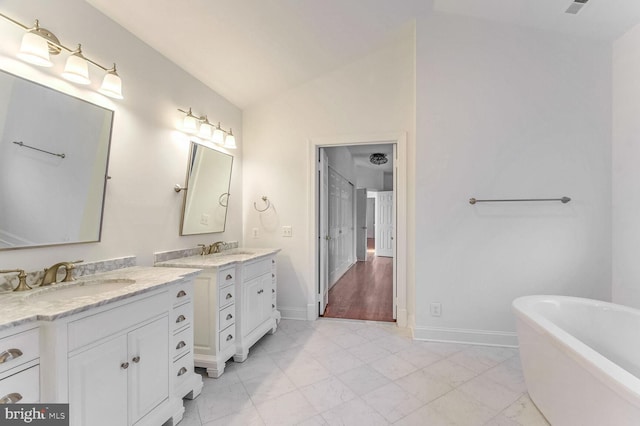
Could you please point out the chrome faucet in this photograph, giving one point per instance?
(51, 273)
(22, 277)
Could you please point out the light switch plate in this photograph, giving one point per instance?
(256, 232)
(287, 231)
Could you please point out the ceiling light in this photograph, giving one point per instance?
(378, 158)
(39, 43)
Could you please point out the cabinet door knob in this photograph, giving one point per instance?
(180, 318)
(273, 275)
(182, 371)
(229, 337)
(229, 277)
(9, 354)
(273, 306)
(181, 344)
(11, 398)
(273, 290)
(124, 365)
(136, 359)
(229, 316)
(273, 261)
(181, 293)
(229, 296)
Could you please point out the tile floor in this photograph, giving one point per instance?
(337, 372)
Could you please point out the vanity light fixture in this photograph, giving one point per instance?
(39, 43)
(200, 125)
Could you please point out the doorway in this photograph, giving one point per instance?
(357, 264)
(316, 243)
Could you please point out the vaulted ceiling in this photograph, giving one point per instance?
(248, 50)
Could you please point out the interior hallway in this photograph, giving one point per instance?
(365, 291)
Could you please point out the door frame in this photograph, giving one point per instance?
(400, 190)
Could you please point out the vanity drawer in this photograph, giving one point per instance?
(227, 337)
(181, 316)
(227, 316)
(22, 387)
(255, 269)
(182, 342)
(19, 348)
(95, 327)
(226, 277)
(181, 294)
(227, 296)
(182, 370)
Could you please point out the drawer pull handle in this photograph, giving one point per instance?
(124, 365)
(229, 296)
(11, 398)
(181, 293)
(182, 371)
(136, 359)
(229, 337)
(180, 319)
(273, 306)
(229, 277)
(273, 261)
(260, 291)
(273, 275)
(181, 345)
(9, 354)
(229, 316)
(273, 290)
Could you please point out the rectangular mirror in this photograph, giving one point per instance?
(207, 195)
(54, 151)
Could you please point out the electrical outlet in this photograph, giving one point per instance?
(204, 219)
(436, 309)
(287, 231)
(256, 232)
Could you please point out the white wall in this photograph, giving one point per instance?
(142, 212)
(371, 95)
(369, 178)
(626, 173)
(508, 112)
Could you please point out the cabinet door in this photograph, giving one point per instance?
(98, 385)
(252, 303)
(266, 283)
(148, 349)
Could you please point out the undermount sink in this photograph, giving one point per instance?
(79, 289)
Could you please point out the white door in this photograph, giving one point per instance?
(361, 224)
(323, 232)
(341, 233)
(148, 348)
(384, 224)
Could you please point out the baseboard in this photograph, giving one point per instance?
(474, 337)
(292, 313)
(401, 318)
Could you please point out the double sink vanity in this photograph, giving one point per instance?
(120, 346)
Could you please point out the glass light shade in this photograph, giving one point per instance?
(77, 69)
(35, 50)
(206, 130)
(190, 124)
(111, 85)
(230, 141)
(218, 136)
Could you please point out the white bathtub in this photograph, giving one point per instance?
(581, 359)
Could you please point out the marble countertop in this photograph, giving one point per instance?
(24, 307)
(218, 260)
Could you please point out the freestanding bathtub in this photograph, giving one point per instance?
(581, 359)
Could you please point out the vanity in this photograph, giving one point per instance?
(116, 346)
(234, 303)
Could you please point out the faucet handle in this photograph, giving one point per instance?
(203, 249)
(68, 270)
(22, 277)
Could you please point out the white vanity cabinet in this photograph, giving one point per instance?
(257, 286)
(19, 366)
(215, 316)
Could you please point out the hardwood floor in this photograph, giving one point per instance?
(364, 292)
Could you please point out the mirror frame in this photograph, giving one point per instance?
(190, 162)
(106, 166)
